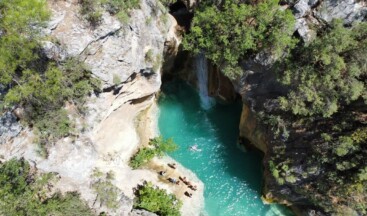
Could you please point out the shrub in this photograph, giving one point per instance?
(156, 200)
(53, 125)
(143, 156)
(91, 11)
(120, 8)
(149, 56)
(107, 193)
(163, 146)
(116, 79)
(43, 96)
(157, 147)
(115, 6)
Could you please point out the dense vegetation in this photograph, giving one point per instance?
(157, 147)
(31, 81)
(232, 31)
(25, 192)
(156, 200)
(320, 125)
(19, 25)
(328, 73)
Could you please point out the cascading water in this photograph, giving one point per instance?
(206, 101)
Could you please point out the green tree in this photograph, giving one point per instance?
(163, 145)
(232, 31)
(328, 73)
(19, 32)
(156, 200)
(158, 146)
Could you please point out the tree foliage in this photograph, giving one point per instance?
(24, 192)
(328, 73)
(38, 85)
(157, 147)
(232, 31)
(19, 27)
(156, 200)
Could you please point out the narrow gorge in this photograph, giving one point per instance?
(165, 107)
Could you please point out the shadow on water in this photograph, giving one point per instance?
(232, 177)
(239, 163)
(225, 120)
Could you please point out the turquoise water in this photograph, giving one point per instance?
(232, 178)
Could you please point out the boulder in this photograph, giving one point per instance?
(348, 10)
(301, 8)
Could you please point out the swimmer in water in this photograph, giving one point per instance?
(194, 148)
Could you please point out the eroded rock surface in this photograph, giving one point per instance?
(112, 50)
(107, 135)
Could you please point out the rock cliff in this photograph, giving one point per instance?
(295, 173)
(127, 58)
(293, 149)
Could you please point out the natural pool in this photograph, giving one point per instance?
(232, 178)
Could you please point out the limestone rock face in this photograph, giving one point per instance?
(303, 29)
(348, 10)
(111, 49)
(139, 212)
(53, 51)
(219, 85)
(108, 136)
(316, 12)
(251, 129)
(301, 8)
(9, 127)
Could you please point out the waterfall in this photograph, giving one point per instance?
(207, 102)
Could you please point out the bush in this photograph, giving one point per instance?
(157, 147)
(91, 11)
(156, 200)
(116, 79)
(107, 193)
(149, 56)
(116, 6)
(25, 192)
(54, 125)
(143, 156)
(44, 95)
